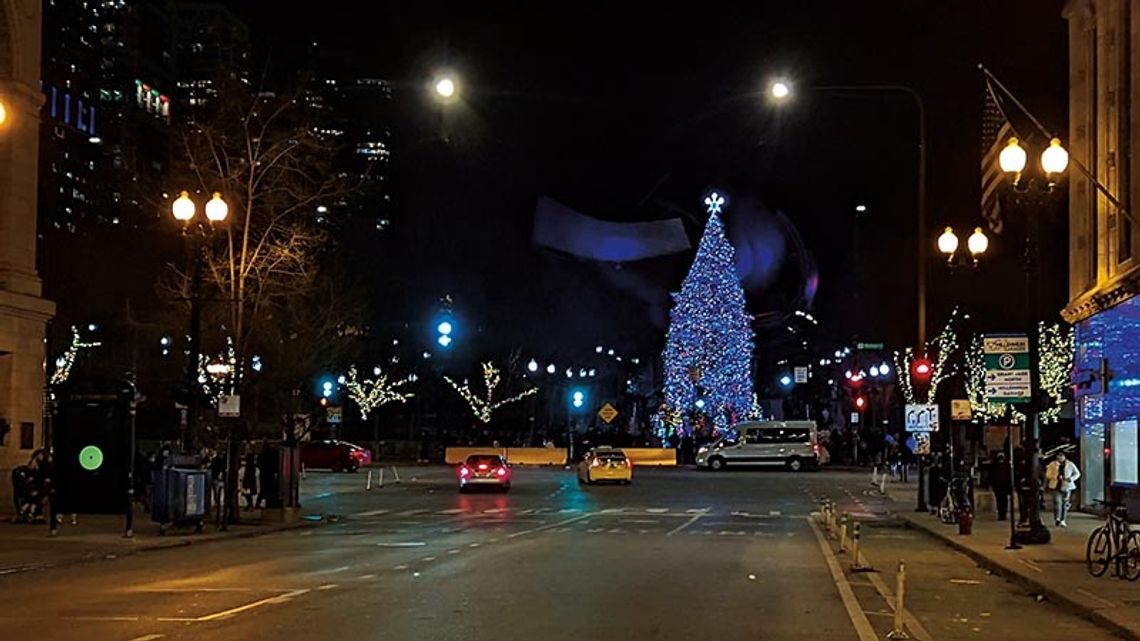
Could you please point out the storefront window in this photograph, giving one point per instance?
(1092, 464)
(1125, 470)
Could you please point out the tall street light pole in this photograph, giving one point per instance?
(184, 209)
(780, 91)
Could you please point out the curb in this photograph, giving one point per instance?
(1027, 582)
(166, 545)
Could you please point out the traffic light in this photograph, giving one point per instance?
(577, 399)
(444, 330)
(921, 370)
(91, 439)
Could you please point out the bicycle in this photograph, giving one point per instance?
(1114, 541)
(957, 497)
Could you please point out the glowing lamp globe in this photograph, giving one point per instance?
(978, 242)
(1054, 159)
(3, 113)
(183, 208)
(217, 209)
(532, 366)
(780, 90)
(948, 242)
(445, 87)
(1012, 158)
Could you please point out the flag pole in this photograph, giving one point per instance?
(993, 81)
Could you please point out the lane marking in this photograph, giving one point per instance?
(365, 577)
(371, 513)
(546, 527)
(410, 512)
(965, 581)
(854, 612)
(281, 598)
(657, 510)
(148, 637)
(639, 521)
(454, 510)
(453, 551)
(429, 559)
(327, 586)
(473, 545)
(684, 525)
(400, 567)
(404, 544)
(333, 570)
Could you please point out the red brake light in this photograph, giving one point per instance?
(502, 471)
(482, 467)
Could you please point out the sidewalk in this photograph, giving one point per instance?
(26, 547)
(1055, 570)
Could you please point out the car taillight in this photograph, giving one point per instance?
(358, 454)
(482, 467)
(464, 471)
(502, 471)
(815, 448)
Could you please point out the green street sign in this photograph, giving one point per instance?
(1008, 378)
(91, 458)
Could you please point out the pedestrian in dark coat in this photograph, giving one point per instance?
(1000, 483)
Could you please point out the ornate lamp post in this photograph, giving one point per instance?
(194, 231)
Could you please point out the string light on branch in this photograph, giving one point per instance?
(484, 407)
(372, 393)
(66, 361)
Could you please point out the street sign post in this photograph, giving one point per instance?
(335, 415)
(229, 406)
(801, 374)
(960, 410)
(1008, 378)
(921, 418)
(607, 413)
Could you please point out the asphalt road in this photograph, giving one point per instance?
(679, 554)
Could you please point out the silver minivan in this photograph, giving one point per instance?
(792, 444)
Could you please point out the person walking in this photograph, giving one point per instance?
(1061, 477)
(248, 473)
(1000, 482)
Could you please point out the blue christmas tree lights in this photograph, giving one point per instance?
(708, 348)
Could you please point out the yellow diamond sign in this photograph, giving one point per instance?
(607, 413)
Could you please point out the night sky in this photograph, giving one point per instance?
(631, 113)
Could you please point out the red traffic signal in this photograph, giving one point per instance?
(860, 403)
(921, 370)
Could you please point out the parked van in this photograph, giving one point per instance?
(793, 444)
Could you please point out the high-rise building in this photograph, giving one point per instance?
(106, 124)
(213, 46)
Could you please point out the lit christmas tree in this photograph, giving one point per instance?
(708, 349)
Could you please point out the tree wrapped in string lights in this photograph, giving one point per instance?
(66, 361)
(484, 406)
(372, 393)
(709, 345)
(944, 346)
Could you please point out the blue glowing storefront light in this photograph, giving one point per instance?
(1106, 418)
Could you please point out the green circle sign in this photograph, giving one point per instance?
(91, 458)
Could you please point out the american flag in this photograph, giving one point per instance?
(996, 132)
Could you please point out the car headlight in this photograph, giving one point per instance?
(703, 450)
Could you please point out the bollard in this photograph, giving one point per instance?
(897, 631)
(396, 474)
(856, 565)
(827, 516)
(883, 485)
(368, 483)
(874, 475)
(381, 480)
(843, 533)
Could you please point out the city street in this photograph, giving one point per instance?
(680, 554)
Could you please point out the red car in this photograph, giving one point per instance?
(484, 470)
(338, 456)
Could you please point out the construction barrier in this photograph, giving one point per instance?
(536, 456)
(456, 455)
(651, 456)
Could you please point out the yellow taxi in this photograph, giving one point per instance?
(605, 464)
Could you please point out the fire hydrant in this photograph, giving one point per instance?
(965, 520)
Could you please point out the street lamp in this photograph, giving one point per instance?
(977, 244)
(445, 88)
(183, 209)
(532, 366)
(780, 90)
